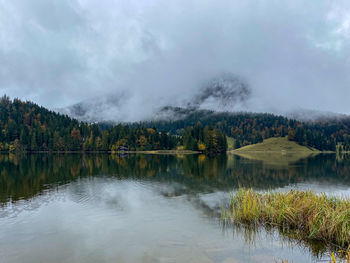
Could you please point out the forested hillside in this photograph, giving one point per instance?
(25, 126)
(208, 139)
(250, 128)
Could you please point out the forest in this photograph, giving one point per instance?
(250, 128)
(25, 126)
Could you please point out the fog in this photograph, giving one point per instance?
(146, 54)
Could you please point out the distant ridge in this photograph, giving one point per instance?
(37, 128)
(227, 92)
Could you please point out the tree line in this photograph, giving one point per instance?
(25, 126)
(208, 139)
(28, 127)
(251, 128)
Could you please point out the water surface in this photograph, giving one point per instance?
(147, 208)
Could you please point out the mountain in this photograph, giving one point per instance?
(27, 126)
(224, 93)
(101, 108)
(227, 93)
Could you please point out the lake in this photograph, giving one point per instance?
(149, 208)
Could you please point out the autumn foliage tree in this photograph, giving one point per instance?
(208, 140)
(26, 126)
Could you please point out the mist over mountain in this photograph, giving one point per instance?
(126, 60)
(227, 92)
(308, 115)
(103, 108)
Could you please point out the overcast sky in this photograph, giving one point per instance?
(293, 54)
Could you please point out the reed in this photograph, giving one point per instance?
(306, 215)
(333, 258)
(345, 259)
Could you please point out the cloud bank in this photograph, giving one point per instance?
(293, 54)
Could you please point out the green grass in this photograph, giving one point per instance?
(304, 215)
(275, 151)
(276, 144)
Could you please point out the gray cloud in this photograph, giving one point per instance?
(293, 54)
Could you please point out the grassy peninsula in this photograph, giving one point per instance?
(276, 151)
(276, 145)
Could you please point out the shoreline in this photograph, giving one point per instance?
(155, 152)
(235, 152)
(165, 152)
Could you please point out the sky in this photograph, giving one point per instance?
(293, 54)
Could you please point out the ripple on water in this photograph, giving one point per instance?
(170, 216)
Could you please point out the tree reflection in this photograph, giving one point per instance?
(23, 177)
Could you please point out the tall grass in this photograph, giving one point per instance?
(345, 259)
(333, 259)
(305, 215)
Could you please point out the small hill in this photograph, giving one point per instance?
(276, 151)
(279, 144)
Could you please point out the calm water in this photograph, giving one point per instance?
(144, 208)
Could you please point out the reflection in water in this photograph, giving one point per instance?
(25, 177)
(320, 250)
(145, 208)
